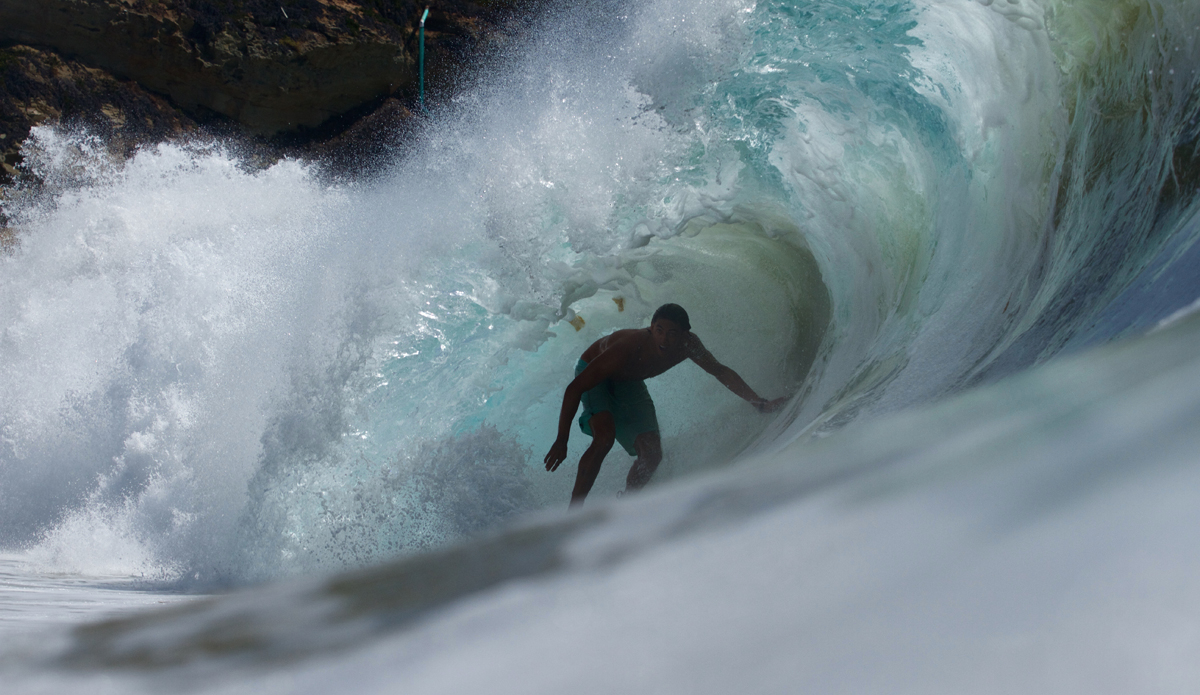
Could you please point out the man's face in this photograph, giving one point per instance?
(667, 334)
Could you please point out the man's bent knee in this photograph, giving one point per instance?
(604, 430)
(601, 443)
(649, 448)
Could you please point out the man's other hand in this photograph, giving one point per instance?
(557, 454)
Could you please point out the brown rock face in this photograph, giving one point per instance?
(39, 86)
(328, 79)
(271, 66)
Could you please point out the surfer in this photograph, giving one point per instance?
(610, 382)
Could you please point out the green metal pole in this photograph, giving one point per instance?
(421, 62)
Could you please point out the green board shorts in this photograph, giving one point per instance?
(628, 401)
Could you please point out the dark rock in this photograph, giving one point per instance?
(270, 65)
(333, 80)
(38, 86)
(368, 145)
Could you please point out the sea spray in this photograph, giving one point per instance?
(973, 187)
(231, 373)
(334, 330)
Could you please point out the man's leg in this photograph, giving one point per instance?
(604, 433)
(649, 450)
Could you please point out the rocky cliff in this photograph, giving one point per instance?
(38, 86)
(146, 68)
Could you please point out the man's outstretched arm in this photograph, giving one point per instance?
(729, 378)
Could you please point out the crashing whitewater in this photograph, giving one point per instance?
(961, 235)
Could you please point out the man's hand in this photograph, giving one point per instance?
(558, 454)
(765, 406)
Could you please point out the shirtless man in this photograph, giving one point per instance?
(609, 381)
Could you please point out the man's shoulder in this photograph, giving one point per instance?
(617, 346)
(627, 339)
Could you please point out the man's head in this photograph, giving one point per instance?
(668, 326)
(672, 312)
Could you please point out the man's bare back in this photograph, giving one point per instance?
(632, 355)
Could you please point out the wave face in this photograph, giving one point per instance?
(215, 373)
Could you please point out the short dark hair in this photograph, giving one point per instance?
(673, 313)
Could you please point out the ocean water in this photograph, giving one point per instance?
(266, 429)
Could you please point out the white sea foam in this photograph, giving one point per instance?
(225, 374)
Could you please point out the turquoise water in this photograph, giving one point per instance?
(954, 233)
